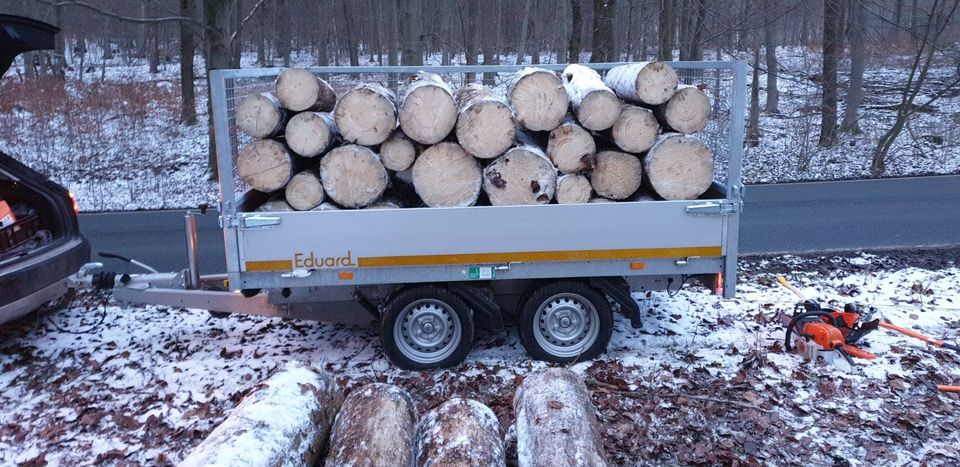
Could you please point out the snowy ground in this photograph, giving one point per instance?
(115, 140)
(704, 381)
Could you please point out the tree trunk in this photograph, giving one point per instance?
(678, 167)
(366, 114)
(770, 36)
(308, 401)
(411, 31)
(353, 176)
(694, 15)
(444, 175)
(573, 189)
(525, 24)
(310, 134)
(217, 29)
(427, 111)
(556, 422)
(668, 30)
(485, 124)
(576, 30)
(265, 165)
(350, 24)
(398, 152)
(753, 121)
(858, 58)
(304, 190)
(635, 130)
(375, 426)
(571, 148)
(603, 49)
(616, 175)
(261, 115)
(832, 49)
(523, 175)
(686, 112)
(188, 101)
(650, 83)
(538, 98)
(471, 44)
(154, 42)
(594, 104)
(562, 32)
(460, 432)
(487, 44)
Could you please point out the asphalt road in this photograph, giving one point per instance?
(796, 218)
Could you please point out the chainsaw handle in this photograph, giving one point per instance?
(783, 281)
(916, 335)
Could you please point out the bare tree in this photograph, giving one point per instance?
(668, 23)
(753, 121)
(832, 49)
(770, 36)
(576, 29)
(350, 24)
(411, 32)
(188, 110)
(525, 24)
(603, 49)
(858, 58)
(283, 33)
(487, 39)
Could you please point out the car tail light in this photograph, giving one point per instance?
(73, 199)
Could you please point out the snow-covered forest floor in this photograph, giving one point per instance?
(705, 380)
(115, 140)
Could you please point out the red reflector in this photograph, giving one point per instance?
(76, 205)
(719, 290)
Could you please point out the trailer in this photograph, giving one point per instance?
(429, 277)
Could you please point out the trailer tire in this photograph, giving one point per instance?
(426, 327)
(565, 321)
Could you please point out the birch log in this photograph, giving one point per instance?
(485, 124)
(460, 433)
(265, 165)
(260, 115)
(651, 83)
(687, 111)
(556, 423)
(427, 112)
(523, 175)
(446, 176)
(594, 104)
(310, 134)
(366, 114)
(571, 148)
(304, 190)
(284, 421)
(617, 175)
(679, 167)
(274, 205)
(573, 189)
(376, 426)
(636, 129)
(299, 89)
(353, 176)
(398, 152)
(538, 98)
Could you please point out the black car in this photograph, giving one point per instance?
(40, 241)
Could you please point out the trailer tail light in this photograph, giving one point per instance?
(719, 282)
(73, 200)
(346, 275)
(637, 265)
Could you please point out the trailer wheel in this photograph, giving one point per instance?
(426, 327)
(565, 321)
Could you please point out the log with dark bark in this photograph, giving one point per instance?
(679, 167)
(460, 433)
(485, 124)
(308, 401)
(366, 114)
(310, 134)
(617, 175)
(299, 89)
(522, 175)
(594, 104)
(571, 148)
(686, 112)
(353, 176)
(636, 129)
(261, 115)
(427, 111)
(444, 175)
(573, 189)
(556, 422)
(650, 83)
(265, 165)
(538, 98)
(304, 190)
(375, 426)
(398, 152)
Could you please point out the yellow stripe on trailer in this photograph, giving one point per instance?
(275, 265)
(537, 256)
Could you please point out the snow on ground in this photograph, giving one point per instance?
(705, 380)
(115, 141)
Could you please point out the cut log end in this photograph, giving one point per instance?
(523, 175)
(636, 129)
(304, 191)
(650, 83)
(617, 175)
(366, 115)
(398, 153)
(460, 432)
(446, 176)
(598, 110)
(573, 189)
(485, 126)
(679, 167)
(688, 110)
(428, 112)
(571, 148)
(299, 89)
(375, 426)
(265, 165)
(260, 115)
(539, 99)
(310, 133)
(353, 176)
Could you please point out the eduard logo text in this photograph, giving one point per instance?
(312, 261)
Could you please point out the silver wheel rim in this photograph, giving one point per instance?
(566, 324)
(427, 331)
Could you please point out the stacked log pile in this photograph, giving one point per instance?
(568, 138)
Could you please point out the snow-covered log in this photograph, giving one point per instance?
(594, 104)
(284, 421)
(311, 133)
(538, 98)
(636, 129)
(353, 176)
(651, 83)
(460, 432)
(260, 115)
(427, 111)
(573, 189)
(485, 124)
(679, 167)
(617, 175)
(299, 89)
(444, 175)
(571, 148)
(398, 152)
(274, 205)
(265, 165)
(304, 190)
(376, 426)
(556, 422)
(366, 114)
(522, 175)
(687, 111)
